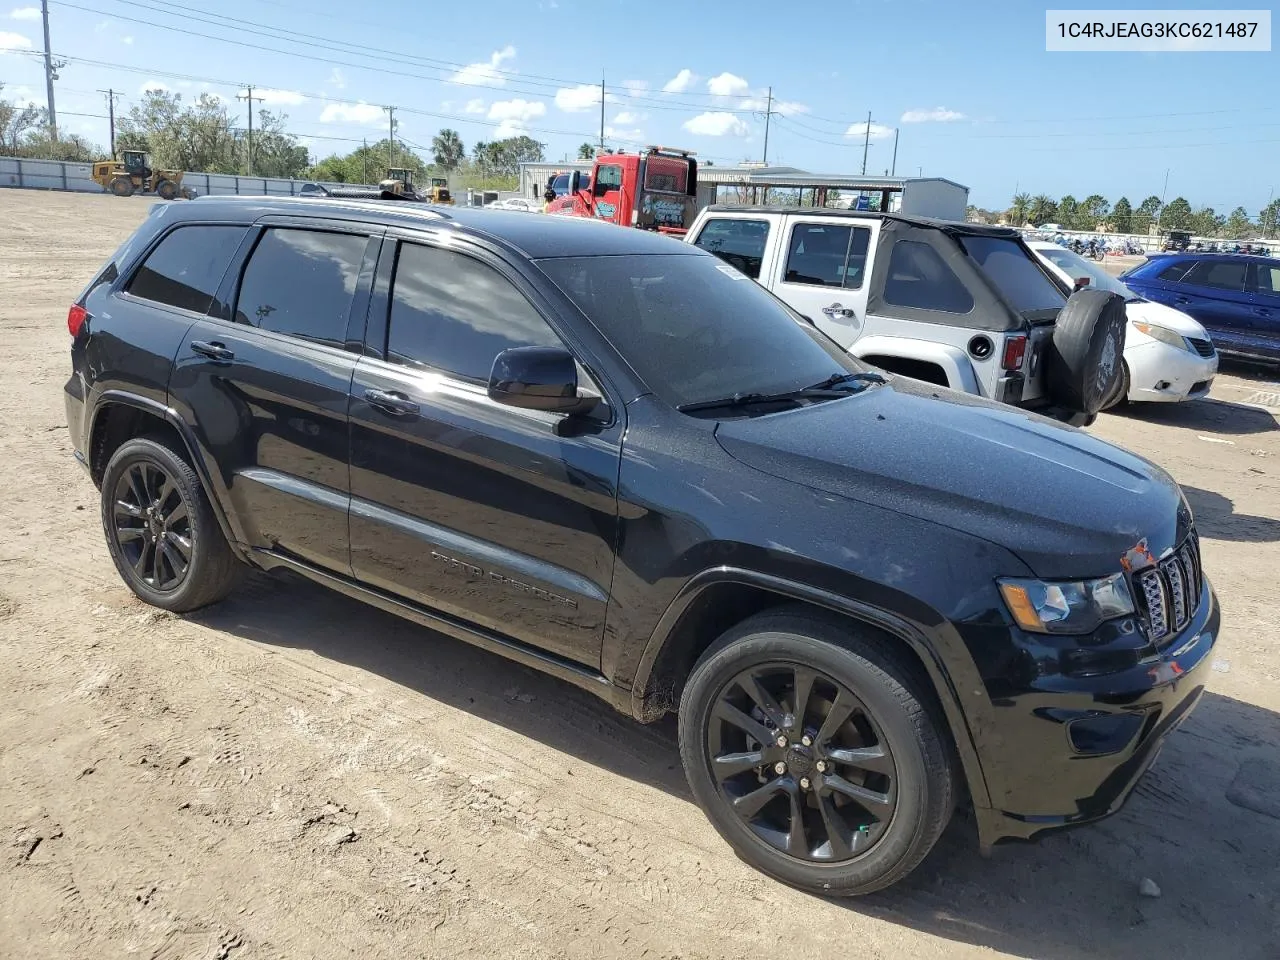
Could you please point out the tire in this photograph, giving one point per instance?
(166, 189)
(121, 186)
(140, 474)
(896, 716)
(1121, 397)
(1085, 360)
(189, 194)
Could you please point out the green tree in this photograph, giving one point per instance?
(1069, 212)
(502, 158)
(1122, 216)
(198, 137)
(586, 152)
(1042, 210)
(70, 147)
(1238, 225)
(1146, 215)
(18, 122)
(1205, 223)
(1176, 216)
(1093, 211)
(447, 150)
(1269, 218)
(276, 153)
(1020, 208)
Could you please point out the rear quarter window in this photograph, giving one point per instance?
(184, 270)
(919, 278)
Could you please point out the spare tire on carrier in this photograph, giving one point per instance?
(1084, 365)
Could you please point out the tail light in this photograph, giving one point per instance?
(1015, 348)
(77, 317)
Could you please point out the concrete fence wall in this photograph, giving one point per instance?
(58, 175)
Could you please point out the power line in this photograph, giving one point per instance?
(111, 96)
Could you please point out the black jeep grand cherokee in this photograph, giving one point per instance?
(606, 454)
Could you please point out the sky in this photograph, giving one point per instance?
(967, 85)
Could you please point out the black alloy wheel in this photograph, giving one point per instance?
(152, 522)
(802, 762)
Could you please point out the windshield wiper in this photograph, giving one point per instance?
(838, 378)
(818, 391)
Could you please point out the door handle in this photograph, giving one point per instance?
(1181, 299)
(835, 310)
(396, 404)
(213, 350)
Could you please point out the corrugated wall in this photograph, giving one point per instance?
(57, 175)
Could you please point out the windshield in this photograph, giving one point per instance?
(1076, 266)
(1015, 274)
(696, 329)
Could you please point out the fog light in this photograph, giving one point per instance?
(1103, 733)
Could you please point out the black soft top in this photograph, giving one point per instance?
(534, 236)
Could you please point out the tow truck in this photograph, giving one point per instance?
(655, 189)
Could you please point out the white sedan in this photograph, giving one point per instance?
(1168, 356)
(516, 203)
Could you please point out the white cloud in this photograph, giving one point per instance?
(583, 97)
(474, 106)
(101, 25)
(25, 13)
(13, 41)
(337, 78)
(716, 125)
(22, 95)
(726, 85)
(509, 128)
(519, 110)
(878, 131)
(363, 113)
(635, 87)
(779, 106)
(485, 74)
(626, 116)
(153, 85)
(635, 135)
(681, 82)
(936, 115)
(127, 41)
(278, 98)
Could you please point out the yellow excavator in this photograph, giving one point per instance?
(132, 173)
(400, 182)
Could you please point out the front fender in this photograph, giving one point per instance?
(949, 679)
(954, 362)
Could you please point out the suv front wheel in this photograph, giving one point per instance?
(815, 752)
(161, 531)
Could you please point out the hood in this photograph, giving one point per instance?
(1067, 504)
(1158, 313)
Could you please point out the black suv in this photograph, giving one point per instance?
(604, 453)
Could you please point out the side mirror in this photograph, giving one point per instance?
(1081, 282)
(575, 181)
(538, 378)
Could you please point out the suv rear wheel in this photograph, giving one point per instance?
(161, 531)
(814, 751)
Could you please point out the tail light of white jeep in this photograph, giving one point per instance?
(1015, 348)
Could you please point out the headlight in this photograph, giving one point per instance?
(1163, 334)
(1066, 607)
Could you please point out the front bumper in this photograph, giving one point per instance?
(1162, 373)
(1070, 750)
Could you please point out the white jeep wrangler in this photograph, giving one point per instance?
(962, 305)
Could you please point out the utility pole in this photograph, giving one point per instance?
(866, 143)
(895, 153)
(49, 74)
(601, 148)
(1164, 192)
(248, 95)
(111, 115)
(768, 112)
(391, 136)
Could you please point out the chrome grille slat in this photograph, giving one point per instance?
(1169, 593)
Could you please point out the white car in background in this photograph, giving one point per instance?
(1168, 356)
(516, 203)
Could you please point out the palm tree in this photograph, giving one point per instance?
(480, 155)
(586, 152)
(1042, 209)
(448, 149)
(1018, 212)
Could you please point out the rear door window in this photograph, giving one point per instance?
(1268, 279)
(739, 243)
(1175, 271)
(302, 283)
(1220, 274)
(1015, 273)
(454, 314)
(827, 255)
(185, 269)
(919, 278)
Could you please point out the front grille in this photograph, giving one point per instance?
(1202, 347)
(1169, 593)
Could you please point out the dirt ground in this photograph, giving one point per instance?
(292, 774)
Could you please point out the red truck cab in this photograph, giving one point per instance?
(654, 190)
